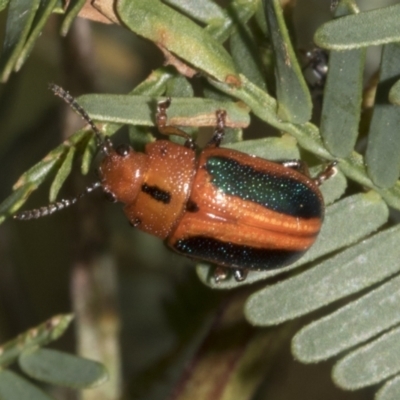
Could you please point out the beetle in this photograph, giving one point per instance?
(234, 210)
(317, 66)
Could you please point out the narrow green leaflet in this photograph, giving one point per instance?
(260, 18)
(389, 391)
(346, 7)
(394, 94)
(205, 11)
(247, 56)
(179, 35)
(44, 11)
(15, 200)
(264, 106)
(350, 325)
(179, 86)
(88, 154)
(369, 364)
(3, 4)
(35, 176)
(357, 216)
(270, 148)
(237, 10)
(59, 368)
(59, 7)
(38, 336)
(62, 174)
(19, 21)
(74, 7)
(13, 387)
(383, 150)
(354, 168)
(350, 271)
(342, 101)
(141, 110)
(294, 100)
(365, 29)
(156, 83)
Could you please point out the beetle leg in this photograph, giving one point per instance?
(220, 274)
(328, 172)
(219, 129)
(240, 274)
(298, 165)
(165, 129)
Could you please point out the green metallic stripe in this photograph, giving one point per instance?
(279, 193)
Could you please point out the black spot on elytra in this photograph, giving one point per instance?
(156, 193)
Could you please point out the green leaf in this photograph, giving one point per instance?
(394, 94)
(59, 7)
(354, 168)
(369, 364)
(179, 86)
(16, 199)
(141, 110)
(3, 4)
(272, 148)
(357, 215)
(19, 21)
(88, 154)
(62, 369)
(365, 29)
(155, 84)
(74, 7)
(153, 19)
(36, 175)
(38, 336)
(346, 273)
(205, 11)
(389, 391)
(383, 151)
(62, 174)
(44, 11)
(294, 100)
(350, 325)
(13, 387)
(246, 55)
(342, 101)
(237, 11)
(264, 106)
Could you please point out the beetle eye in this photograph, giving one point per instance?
(123, 150)
(110, 197)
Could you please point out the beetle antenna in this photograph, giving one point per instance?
(56, 206)
(103, 143)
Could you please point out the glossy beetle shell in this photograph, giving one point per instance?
(225, 206)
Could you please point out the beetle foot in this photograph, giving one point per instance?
(240, 274)
(220, 274)
(219, 129)
(327, 173)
